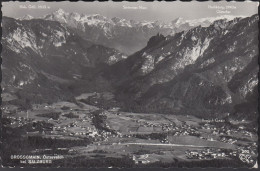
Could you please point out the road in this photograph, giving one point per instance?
(159, 144)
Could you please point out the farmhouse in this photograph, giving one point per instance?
(142, 159)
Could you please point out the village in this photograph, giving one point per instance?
(211, 153)
(98, 126)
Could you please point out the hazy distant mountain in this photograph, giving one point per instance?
(128, 36)
(205, 71)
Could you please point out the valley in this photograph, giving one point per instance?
(90, 131)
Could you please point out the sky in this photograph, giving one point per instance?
(140, 11)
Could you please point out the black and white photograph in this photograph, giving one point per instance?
(129, 84)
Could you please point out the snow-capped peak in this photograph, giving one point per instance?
(99, 20)
(60, 11)
(58, 15)
(26, 17)
(204, 22)
(178, 20)
(75, 16)
(97, 17)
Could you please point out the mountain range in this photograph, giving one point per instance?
(43, 55)
(127, 36)
(204, 70)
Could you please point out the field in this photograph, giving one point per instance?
(78, 129)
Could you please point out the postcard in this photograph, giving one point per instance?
(129, 84)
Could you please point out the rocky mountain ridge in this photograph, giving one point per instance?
(36, 50)
(206, 71)
(127, 36)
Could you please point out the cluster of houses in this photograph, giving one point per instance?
(9, 109)
(85, 131)
(208, 126)
(243, 153)
(228, 140)
(152, 124)
(81, 130)
(167, 127)
(246, 158)
(224, 130)
(186, 131)
(18, 121)
(143, 159)
(104, 135)
(246, 154)
(165, 141)
(206, 154)
(247, 133)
